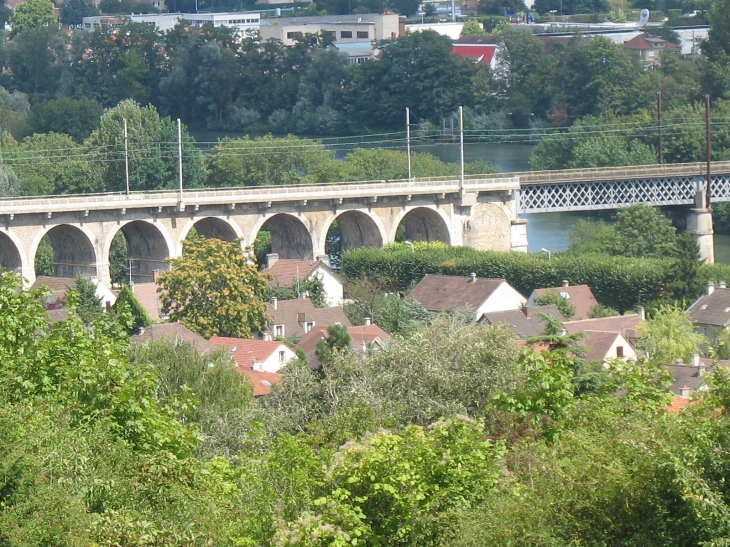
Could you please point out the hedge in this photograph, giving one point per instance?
(619, 282)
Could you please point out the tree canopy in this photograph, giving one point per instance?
(215, 289)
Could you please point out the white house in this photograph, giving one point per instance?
(286, 272)
(482, 295)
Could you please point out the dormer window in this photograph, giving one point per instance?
(309, 325)
(278, 330)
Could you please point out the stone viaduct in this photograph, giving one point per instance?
(479, 212)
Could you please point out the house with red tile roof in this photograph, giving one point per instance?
(524, 323)
(258, 360)
(626, 325)
(711, 311)
(689, 380)
(364, 339)
(295, 318)
(174, 332)
(287, 272)
(481, 295)
(603, 346)
(580, 296)
(649, 48)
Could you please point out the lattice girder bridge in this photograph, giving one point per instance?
(596, 189)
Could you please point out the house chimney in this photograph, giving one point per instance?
(563, 332)
(155, 275)
(641, 312)
(684, 392)
(367, 321)
(696, 360)
(722, 285)
(678, 361)
(275, 303)
(472, 277)
(526, 311)
(324, 259)
(267, 336)
(271, 259)
(565, 283)
(710, 288)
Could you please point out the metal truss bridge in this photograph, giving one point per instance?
(613, 188)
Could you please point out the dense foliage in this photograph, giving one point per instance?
(447, 437)
(619, 282)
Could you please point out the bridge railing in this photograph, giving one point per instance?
(421, 185)
(620, 173)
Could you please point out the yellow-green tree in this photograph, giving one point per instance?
(215, 288)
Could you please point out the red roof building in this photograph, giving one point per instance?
(480, 48)
(258, 360)
(649, 48)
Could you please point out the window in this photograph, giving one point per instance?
(328, 33)
(619, 351)
(278, 330)
(282, 356)
(345, 34)
(292, 35)
(362, 34)
(308, 326)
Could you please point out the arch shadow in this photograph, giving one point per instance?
(423, 224)
(73, 251)
(148, 249)
(290, 238)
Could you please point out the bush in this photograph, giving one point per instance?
(618, 282)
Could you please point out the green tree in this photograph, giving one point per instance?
(400, 488)
(547, 394)
(214, 288)
(521, 75)
(82, 296)
(56, 163)
(565, 306)
(472, 27)
(118, 260)
(670, 335)
(75, 117)
(33, 14)
(127, 301)
(338, 340)
(642, 231)
(264, 161)
(44, 258)
(417, 71)
(74, 11)
(400, 315)
(38, 56)
(153, 162)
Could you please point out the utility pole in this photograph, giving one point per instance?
(659, 118)
(126, 156)
(408, 140)
(461, 148)
(708, 137)
(179, 159)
